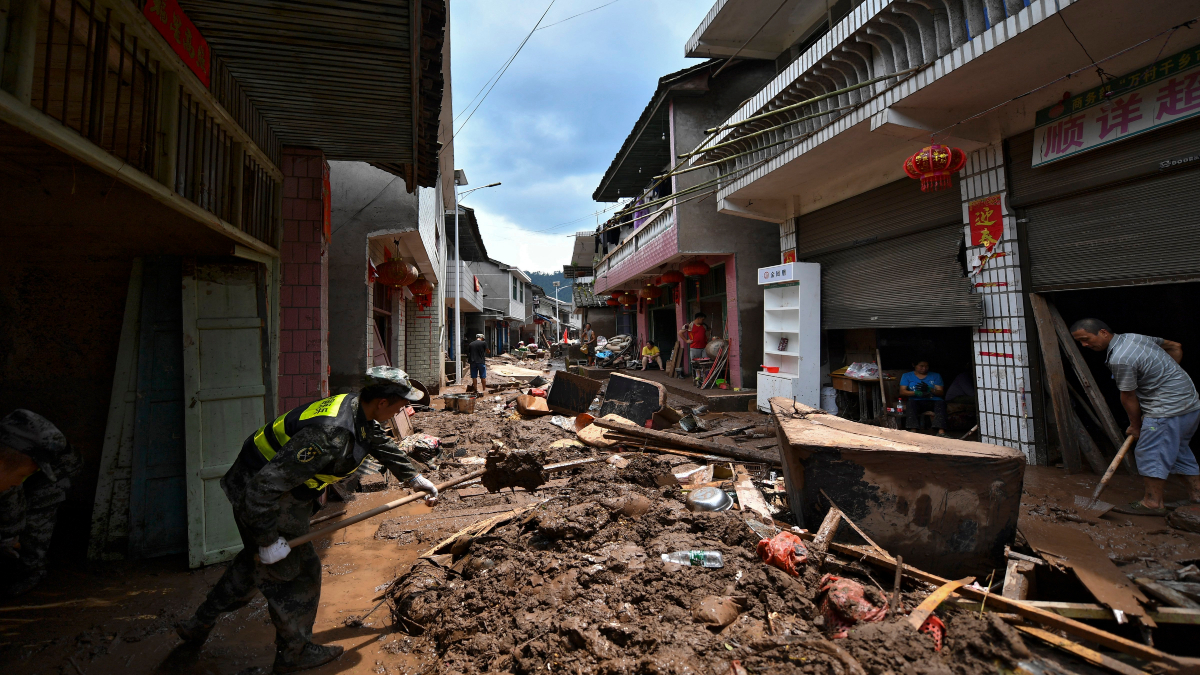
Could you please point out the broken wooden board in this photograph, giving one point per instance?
(633, 398)
(945, 505)
(1070, 548)
(571, 393)
(515, 372)
(748, 496)
(402, 425)
(1059, 398)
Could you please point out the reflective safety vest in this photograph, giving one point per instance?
(335, 411)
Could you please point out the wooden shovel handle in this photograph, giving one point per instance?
(1112, 468)
(303, 539)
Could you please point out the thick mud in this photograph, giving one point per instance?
(578, 584)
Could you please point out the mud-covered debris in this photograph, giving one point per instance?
(846, 603)
(645, 471)
(515, 468)
(718, 610)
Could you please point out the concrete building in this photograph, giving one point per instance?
(194, 193)
(670, 232)
(1052, 203)
(471, 249)
(505, 291)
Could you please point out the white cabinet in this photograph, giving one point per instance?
(791, 333)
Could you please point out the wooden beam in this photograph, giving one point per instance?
(1025, 610)
(1090, 655)
(1059, 396)
(53, 133)
(167, 129)
(1092, 390)
(1087, 446)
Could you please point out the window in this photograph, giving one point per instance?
(514, 287)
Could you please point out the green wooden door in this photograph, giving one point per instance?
(225, 393)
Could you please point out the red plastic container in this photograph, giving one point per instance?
(771, 369)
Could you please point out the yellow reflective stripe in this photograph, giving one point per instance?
(326, 407)
(280, 431)
(263, 445)
(322, 480)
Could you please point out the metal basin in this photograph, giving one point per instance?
(709, 499)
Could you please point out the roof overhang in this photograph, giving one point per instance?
(647, 149)
(471, 247)
(360, 80)
(727, 25)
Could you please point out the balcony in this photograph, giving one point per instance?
(614, 269)
(971, 72)
(472, 299)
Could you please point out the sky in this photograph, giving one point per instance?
(558, 116)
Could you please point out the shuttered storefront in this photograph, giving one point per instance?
(889, 259)
(1120, 215)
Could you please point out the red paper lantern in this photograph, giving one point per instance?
(672, 277)
(396, 273)
(612, 302)
(627, 299)
(696, 268)
(656, 281)
(651, 292)
(421, 287)
(933, 164)
(617, 294)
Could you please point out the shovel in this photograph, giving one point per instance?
(1094, 508)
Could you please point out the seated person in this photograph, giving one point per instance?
(651, 353)
(923, 392)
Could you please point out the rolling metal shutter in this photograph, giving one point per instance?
(909, 281)
(891, 210)
(1116, 216)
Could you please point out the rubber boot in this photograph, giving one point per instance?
(309, 656)
(193, 631)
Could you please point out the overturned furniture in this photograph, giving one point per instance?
(945, 505)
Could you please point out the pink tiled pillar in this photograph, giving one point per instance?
(733, 321)
(304, 293)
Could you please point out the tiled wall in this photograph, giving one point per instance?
(422, 355)
(1002, 357)
(304, 291)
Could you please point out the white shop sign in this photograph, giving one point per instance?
(776, 274)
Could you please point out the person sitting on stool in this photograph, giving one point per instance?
(923, 390)
(651, 353)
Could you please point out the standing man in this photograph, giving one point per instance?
(1162, 405)
(588, 337)
(282, 468)
(694, 337)
(477, 357)
(36, 466)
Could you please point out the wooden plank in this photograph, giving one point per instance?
(1026, 610)
(688, 442)
(1075, 550)
(930, 603)
(748, 495)
(110, 513)
(857, 529)
(1094, 612)
(1087, 446)
(1059, 396)
(1090, 655)
(1092, 390)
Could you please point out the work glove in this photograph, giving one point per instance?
(269, 555)
(922, 389)
(423, 484)
(9, 548)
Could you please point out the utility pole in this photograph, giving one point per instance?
(460, 178)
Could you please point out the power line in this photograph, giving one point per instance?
(504, 68)
(579, 14)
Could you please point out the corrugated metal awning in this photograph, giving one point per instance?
(338, 74)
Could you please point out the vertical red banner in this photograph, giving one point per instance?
(168, 17)
(987, 225)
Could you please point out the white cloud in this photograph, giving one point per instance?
(552, 125)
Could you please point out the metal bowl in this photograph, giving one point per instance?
(709, 499)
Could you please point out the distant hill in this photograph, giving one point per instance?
(546, 281)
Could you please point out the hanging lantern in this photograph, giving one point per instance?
(612, 302)
(695, 268)
(651, 292)
(396, 273)
(421, 287)
(617, 294)
(656, 281)
(627, 299)
(933, 164)
(672, 277)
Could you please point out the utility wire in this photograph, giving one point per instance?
(503, 69)
(578, 15)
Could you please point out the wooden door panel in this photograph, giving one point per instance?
(226, 392)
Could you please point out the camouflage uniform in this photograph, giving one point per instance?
(275, 500)
(28, 511)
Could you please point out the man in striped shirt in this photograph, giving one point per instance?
(1162, 404)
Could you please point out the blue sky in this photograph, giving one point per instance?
(555, 121)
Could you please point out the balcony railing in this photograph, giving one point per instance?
(659, 222)
(470, 296)
(98, 70)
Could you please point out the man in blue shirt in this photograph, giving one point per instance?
(922, 391)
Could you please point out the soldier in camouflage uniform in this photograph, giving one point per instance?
(36, 466)
(282, 468)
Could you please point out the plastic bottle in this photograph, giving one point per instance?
(695, 558)
(900, 406)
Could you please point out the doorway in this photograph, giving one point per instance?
(662, 330)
